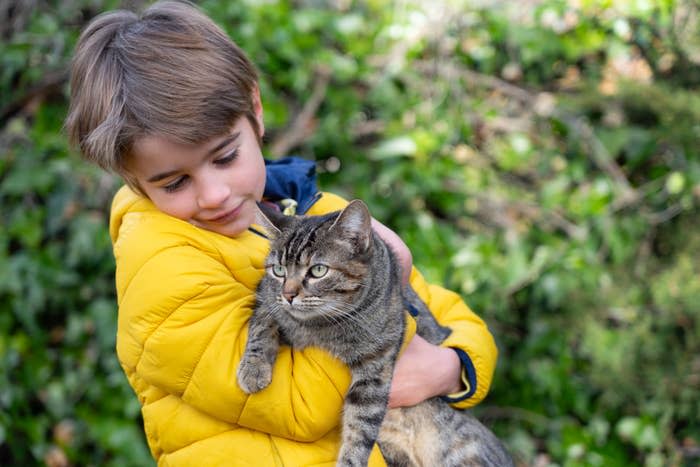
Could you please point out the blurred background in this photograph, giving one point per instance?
(540, 157)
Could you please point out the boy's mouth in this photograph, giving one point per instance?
(226, 217)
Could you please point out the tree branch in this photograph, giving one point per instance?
(303, 125)
(51, 83)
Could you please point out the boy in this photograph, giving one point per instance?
(171, 104)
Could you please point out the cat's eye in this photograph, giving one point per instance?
(318, 270)
(279, 270)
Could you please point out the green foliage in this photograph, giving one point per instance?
(540, 160)
(62, 391)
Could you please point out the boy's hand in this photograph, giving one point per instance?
(403, 254)
(423, 371)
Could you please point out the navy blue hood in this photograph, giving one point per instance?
(291, 178)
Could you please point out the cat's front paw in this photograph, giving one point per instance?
(254, 374)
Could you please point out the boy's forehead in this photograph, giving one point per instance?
(155, 153)
(149, 144)
(153, 145)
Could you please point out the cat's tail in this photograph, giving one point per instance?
(426, 325)
(433, 433)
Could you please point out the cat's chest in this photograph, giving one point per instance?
(340, 341)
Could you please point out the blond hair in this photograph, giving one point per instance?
(170, 72)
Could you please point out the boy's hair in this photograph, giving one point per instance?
(171, 72)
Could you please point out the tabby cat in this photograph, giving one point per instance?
(334, 284)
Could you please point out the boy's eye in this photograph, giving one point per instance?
(175, 184)
(227, 158)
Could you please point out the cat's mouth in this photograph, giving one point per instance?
(301, 311)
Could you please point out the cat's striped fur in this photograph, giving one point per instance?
(334, 284)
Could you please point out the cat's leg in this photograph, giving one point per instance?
(255, 368)
(397, 439)
(365, 406)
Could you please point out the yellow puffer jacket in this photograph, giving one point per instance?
(185, 296)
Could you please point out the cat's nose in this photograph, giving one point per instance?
(289, 296)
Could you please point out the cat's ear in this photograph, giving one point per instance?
(354, 224)
(270, 218)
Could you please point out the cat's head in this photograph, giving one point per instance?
(317, 264)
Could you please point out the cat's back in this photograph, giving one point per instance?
(433, 433)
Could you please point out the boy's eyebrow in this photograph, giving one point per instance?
(161, 176)
(222, 144)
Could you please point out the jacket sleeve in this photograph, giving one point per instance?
(185, 334)
(470, 338)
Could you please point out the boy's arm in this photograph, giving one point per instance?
(470, 339)
(403, 254)
(189, 344)
(423, 371)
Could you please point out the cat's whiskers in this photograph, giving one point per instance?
(345, 313)
(269, 311)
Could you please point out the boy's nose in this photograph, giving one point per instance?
(212, 194)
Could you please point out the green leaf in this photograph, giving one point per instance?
(396, 147)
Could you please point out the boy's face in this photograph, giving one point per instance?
(214, 185)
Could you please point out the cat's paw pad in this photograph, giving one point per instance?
(254, 374)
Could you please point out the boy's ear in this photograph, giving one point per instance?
(271, 219)
(258, 108)
(354, 224)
